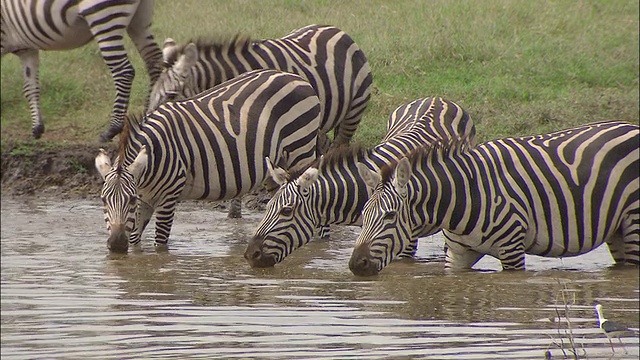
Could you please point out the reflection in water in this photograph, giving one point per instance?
(64, 296)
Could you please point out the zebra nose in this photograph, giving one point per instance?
(118, 241)
(256, 257)
(361, 263)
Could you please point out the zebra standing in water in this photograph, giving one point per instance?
(334, 193)
(28, 26)
(210, 147)
(557, 194)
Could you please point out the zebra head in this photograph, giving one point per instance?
(176, 81)
(289, 221)
(386, 232)
(119, 197)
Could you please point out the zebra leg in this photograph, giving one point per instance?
(164, 221)
(410, 250)
(324, 231)
(235, 208)
(462, 259)
(140, 33)
(512, 258)
(631, 239)
(30, 65)
(108, 28)
(624, 244)
(143, 216)
(347, 128)
(615, 244)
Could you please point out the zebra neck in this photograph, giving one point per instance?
(341, 191)
(131, 149)
(447, 191)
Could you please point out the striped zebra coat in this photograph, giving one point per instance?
(324, 55)
(210, 147)
(558, 194)
(28, 26)
(332, 192)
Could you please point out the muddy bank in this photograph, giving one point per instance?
(38, 168)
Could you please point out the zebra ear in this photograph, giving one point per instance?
(370, 177)
(169, 51)
(139, 164)
(103, 163)
(402, 173)
(187, 60)
(278, 174)
(308, 178)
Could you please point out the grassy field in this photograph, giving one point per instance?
(518, 67)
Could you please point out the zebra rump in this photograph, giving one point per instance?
(325, 56)
(333, 192)
(555, 195)
(209, 147)
(32, 25)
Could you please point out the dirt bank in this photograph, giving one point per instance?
(67, 171)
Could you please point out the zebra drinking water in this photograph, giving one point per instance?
(28, 26)
(332, 192)
(558, 194)
(324, 55)
(210, 147)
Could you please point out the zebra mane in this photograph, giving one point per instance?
(125, 137)
(335, 156)
(434, 152)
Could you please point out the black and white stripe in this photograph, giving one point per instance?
(558, 194)
(334, 193)
(28, 26)
(324, 55)
(210, 147)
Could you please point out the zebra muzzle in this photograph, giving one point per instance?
(255, 255)
(118, 241)
(361, 262)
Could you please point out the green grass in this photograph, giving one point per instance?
(518, 67)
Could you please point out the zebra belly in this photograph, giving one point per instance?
(69, 38)
(195, 189)
(559, 249)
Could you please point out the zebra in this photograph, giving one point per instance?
(28, 26)
(332, 192)
(210, 147)
(326, 56)
(558, 194)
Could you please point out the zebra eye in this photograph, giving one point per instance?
(133, 200)
(390, 215)
(286, 211)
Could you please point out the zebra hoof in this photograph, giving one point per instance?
(37, 131)
(110, 133)
(106, 137)
(161, 247)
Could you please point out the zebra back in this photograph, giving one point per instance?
(333, 192)
(508, 197)
(324, 55)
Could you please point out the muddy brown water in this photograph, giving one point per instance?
(65, 297)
